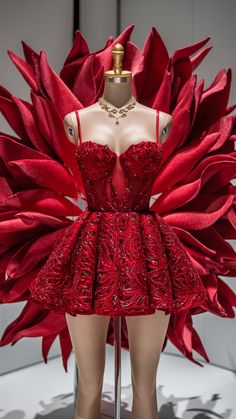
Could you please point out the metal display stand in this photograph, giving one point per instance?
(117, 370)
(117, 367)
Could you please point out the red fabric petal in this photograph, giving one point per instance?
(30, 173)
(25, 69)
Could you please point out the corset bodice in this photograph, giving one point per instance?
(118, 182)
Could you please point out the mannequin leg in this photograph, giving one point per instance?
(88, 336)
(146, 334)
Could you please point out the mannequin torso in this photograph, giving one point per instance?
(139, 124)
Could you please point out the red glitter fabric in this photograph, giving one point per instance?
(118, 257)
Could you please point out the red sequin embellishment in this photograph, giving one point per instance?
(118, 257)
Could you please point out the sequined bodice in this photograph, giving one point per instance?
(118, 183)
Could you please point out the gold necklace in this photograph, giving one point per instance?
(112, 111)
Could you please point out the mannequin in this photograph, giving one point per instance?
(140, 123)
(146, 333)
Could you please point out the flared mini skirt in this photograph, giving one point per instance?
(118, 264)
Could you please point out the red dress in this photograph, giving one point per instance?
(118, 257)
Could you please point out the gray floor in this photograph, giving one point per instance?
(184, 390)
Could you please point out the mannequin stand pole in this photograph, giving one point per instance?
(76, 380)
(117, 366)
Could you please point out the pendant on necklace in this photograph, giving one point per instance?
(112, 111)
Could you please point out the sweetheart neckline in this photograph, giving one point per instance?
(118, 156)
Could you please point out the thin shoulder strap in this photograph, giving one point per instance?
(157, 126)
(78, 125)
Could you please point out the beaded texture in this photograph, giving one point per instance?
(118, 257)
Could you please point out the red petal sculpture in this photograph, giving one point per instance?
(193, 192)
